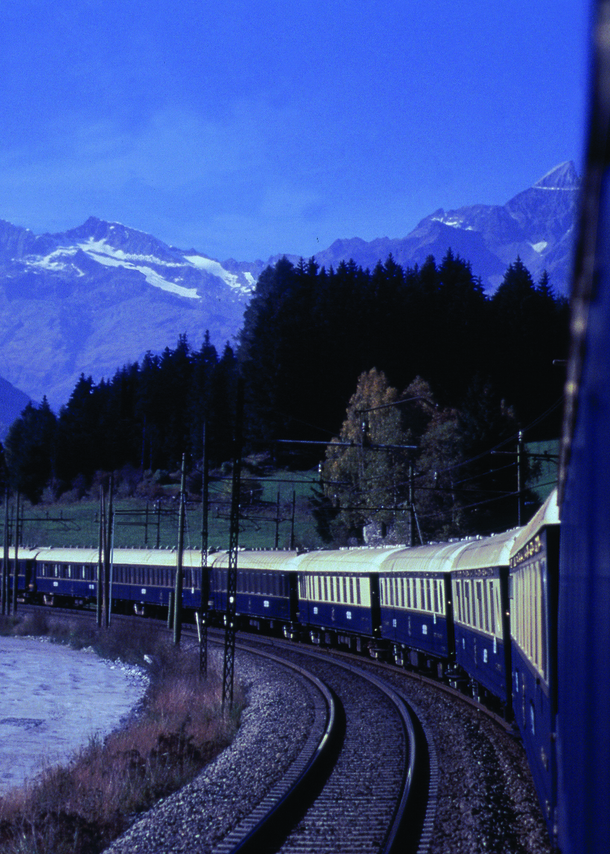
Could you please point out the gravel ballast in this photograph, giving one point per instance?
(274, 729)
(486, 800)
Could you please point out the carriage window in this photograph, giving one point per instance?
(436, 608)
(351, 591)
(345, 599)
(476, 603)
(467, 601)
(326, 588)
(486, 607)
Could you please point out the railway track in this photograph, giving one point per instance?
(372, 799)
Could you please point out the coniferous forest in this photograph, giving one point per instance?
(319, 349)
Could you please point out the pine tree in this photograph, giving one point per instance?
(29, 450)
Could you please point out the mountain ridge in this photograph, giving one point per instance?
(102, 294)
(536, 225)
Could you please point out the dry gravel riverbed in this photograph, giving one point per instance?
(53, 699)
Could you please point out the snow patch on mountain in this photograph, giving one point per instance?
(54, 262)
(216, 269)
(101, 249)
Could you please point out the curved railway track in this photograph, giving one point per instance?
(372, 799)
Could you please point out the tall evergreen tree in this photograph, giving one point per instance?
(29, 450)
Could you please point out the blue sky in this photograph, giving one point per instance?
(245, 129)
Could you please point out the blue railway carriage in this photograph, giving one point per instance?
(26, 572)
(415, 605)
(266, 588)
(66, 576)
(533, 591)
(146, 578)
(339, 596)
(140, 579)
(479, 584)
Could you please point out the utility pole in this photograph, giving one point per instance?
(205, 572)
(5, 559)
(108, 536)
(100, 560)
(179, 556)
(229, 656)
(411, 506)
(520, 456)
(16, 564)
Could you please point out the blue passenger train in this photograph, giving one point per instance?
(477, 613)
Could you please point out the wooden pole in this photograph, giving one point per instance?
(205, 572)
(5, 560)
(16, 564)
(229, 655)
(179, 557)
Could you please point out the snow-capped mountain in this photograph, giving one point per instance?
(96, 297)
(100, 295)
(536, 225)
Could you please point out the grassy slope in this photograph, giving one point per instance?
(141, 523)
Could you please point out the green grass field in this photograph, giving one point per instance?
(154, 523)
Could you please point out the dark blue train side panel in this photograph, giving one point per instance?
(483, 658)
(424, 632)
(356, 614)
(584, 568)
(427, 629)
(26, 576)
(535, 718)
(533, 607)
(481, 628)
(348, 619)
(66, 580)
(261, 595)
